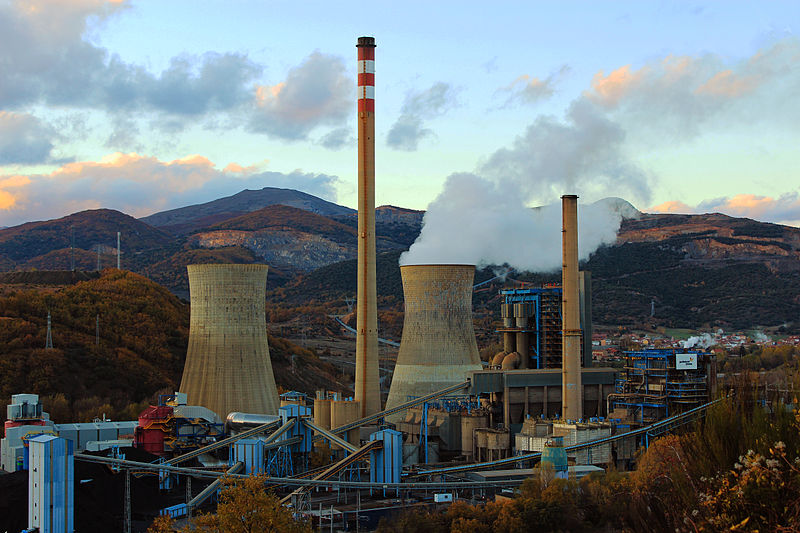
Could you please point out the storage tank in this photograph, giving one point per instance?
(438, 347)
(343, 412)
(469, 423)
(322, 413)
(227, 362)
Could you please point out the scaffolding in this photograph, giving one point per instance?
(659, 383)
(537, 313)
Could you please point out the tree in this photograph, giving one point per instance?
(244, 507)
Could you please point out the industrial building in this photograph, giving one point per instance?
(450, 425)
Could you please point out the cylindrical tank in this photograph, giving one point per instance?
(227, 362)
(343, 412)
(322, 413)
(508, 341)
(521, 315)
(438, 347)
(241, 421)
(470, 422)
(523, 348)
(507, 313)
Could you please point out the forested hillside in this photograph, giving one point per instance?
(140, 351)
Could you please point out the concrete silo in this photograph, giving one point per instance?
(227, 363)
(438, 346)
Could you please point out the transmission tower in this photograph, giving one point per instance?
(49, 342)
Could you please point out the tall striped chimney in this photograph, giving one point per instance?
(571, 389)
(367, 385)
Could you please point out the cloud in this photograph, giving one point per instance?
(127, 182)
(680, 97)
(784, 209)
(24, 139)
(530, 89)
(46, 59)
(409, 129)
(585, 152)
(318, 92)
(337, 139)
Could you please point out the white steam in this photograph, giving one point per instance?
(702, 342)
(474, 221)
(485, 218)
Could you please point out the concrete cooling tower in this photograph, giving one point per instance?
(227, 364)
(438, 346)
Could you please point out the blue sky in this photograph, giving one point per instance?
(143, 106)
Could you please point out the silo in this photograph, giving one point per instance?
(227, 363)
(438, 347)
(344, 412)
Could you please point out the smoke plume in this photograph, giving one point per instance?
(485, 218)
(701, 342)
(474, 221)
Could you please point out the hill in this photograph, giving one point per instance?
(190, 218)
(143, 336)
(88, 231)
(284, 236)
(711, 270)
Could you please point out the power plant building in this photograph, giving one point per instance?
(227, 362)
(438, 347)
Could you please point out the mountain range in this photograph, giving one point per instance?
(693, 270)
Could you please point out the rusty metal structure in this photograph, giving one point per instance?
(438, 347)
(367, 382)
(227, 365)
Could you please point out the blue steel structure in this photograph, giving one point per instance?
(51, 485)
(654, 385)
(544, 323)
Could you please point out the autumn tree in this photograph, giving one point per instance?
(244, 507)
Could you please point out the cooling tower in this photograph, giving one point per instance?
(571, 397)
(227, 364)
(438, 346)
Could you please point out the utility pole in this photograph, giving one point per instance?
(49, 342)
(118, 250)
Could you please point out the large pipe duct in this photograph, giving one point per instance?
(571, 390)
(367, 382)
(438, 346)
(227, 365)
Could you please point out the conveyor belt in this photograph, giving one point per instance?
(211, 489)
(222, 443)
(297, 482)
(335, 468)
(331, 436)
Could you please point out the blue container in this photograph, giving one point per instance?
(555, 455)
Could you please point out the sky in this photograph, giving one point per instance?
(143, 106)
